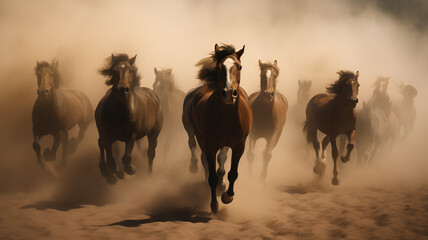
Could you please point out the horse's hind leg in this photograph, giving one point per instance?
(151, 152)
(192, 145)
(335, 154)
(237, 152)
(319, 166)
(221, 159)
(64, 140)
(50, 155)
(37, 149)
(349, 147)
(73, 142)
(251, 147)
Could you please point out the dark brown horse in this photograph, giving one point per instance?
(56, 111)
(219, 114)
(333, 115)
(126, 113)
(171, 99)
(269, 113)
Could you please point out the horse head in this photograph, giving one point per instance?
(229, 73)
(268, 77)
(303, 92)
(47, 77)
(164, 82)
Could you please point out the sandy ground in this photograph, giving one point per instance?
(384, 201)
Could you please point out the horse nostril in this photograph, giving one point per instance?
(356, 101)
(235, 93)
(127, 89)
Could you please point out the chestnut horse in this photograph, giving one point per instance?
(269, 113)
(56, 111)
(219, 114)
(171, 99)
(333, 115)
(126, 113)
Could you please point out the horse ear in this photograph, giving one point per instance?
(260, 63)
(216, 48)
(240, 52)
(357, 74)
(112, 57)
(38, 64)
(169, 71)
(275, 62)
(156, 71)
(132, 60)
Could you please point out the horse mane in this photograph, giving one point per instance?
(270, 65)
(109, 72)
(208, 66)
(336, 87)
(53, 66)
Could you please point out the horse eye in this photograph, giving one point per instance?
(240, 67)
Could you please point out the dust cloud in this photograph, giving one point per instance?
(310, 39)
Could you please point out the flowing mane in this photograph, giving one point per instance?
(109, 72)
(53, 66)
(337, 86)
(208, 66)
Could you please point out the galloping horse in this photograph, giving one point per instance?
(171, 99)
(269, 113)
(126, 113)
(407, 110)
(219, 114)
(333, 115)
(56, 111)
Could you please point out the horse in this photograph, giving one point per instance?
(127, 113)
(269, 108)
(303, 94)
(171, 99)
(219, 115)
(56, 111)
(407, 110)
(333, 115)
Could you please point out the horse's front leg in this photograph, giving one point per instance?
(126, 160)
(334, 153)
(349, 147)
(221, 159)
(267, 154)
(237, 152)
(212, 177)
(250, 154)
(111, 164)
(64, 140)
(37, 148)
(50, 155)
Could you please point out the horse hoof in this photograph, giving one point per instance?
(214, 207)
(226, 199)
(111, 179)
(130, 169)
(120, 174)
(193, 168)
(319, 168)
(48, 156)
(335, 181)
(344, 159)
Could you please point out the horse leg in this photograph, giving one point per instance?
(212, 178)
(221, 159)
(321, 162)
(64, 139)
(126, 159)
(251, 147)
(237, 151)
(349, 147)
(37, 148)
(50, 155)
(73, 143)
(102, 165)
(267, 154)
(335, 154)
(205, 165)
(151, 152)
(111, 164)
(192, 145)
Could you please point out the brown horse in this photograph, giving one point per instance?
(219, 114)
(56, 111)
(171, 99)
(333, 115)
(126, 113)
(269, 113)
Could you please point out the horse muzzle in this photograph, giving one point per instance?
(229, 95)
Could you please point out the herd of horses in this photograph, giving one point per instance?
(218, 115)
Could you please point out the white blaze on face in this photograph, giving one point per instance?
(228, 63)
(268, 73)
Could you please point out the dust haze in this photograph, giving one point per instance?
(309, 39)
